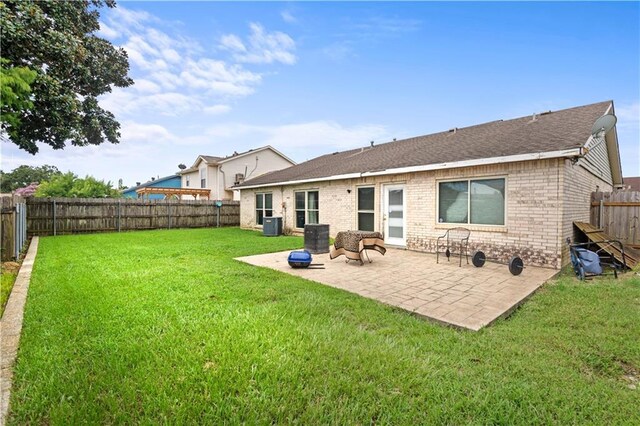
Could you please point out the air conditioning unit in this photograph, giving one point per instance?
(239, 178)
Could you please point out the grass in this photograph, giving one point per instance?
(165, 327)
(6, 284)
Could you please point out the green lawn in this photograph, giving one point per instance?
(165, 327)
(6, 284)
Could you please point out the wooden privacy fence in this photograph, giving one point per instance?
(56, 216)
(617, 213)
(13, 226)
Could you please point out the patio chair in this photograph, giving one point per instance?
(454, 238)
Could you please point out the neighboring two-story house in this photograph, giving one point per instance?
(219, 174)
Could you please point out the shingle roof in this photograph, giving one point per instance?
(551, 131)
(147, 183)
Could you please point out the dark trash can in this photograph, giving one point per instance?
(316, 238)
(272, 226)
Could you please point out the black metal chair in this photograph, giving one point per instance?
(454, 237)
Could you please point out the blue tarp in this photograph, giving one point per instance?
(590, 261)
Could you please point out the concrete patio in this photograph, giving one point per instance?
(466, 297)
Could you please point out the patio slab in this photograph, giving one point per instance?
(466, 297)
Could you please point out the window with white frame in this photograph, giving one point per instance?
(307, 208)
(187, 180)
(366, 208)
(264, 206)
(203, 177)
(472, 201)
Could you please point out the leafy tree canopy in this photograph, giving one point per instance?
(54, 42)
(15, 90)
(23, 176)
(69, 185)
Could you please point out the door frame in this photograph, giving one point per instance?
(395, 241)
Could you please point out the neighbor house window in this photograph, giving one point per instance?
(472, 201)
(187, 180)
(366, 203)
(203, 178)
(307, 207)
(264, 207)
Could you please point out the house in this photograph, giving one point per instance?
(632, 183)
(517, 184)
(172, 181)
(220, 174)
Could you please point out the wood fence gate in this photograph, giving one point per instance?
(617, 214)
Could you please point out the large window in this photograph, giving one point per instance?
(264, 207)
(307, 207)
(203, 178)
(366, 207)
(473, 201)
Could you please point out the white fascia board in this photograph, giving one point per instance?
(303, 181)
(573, 152)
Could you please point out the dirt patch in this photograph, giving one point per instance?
(631, 375)
(11, 267)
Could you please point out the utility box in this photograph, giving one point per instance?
(272, 226)
(316, 238)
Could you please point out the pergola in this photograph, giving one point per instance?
(168, 192)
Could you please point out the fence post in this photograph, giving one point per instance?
(168, 214)
(54, 218)
(601, 213)
(119, 215)
(16, 230)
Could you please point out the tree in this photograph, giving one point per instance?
(27, 191)
(22, 176)
(15, 90)
(69, 185)
(55, 40)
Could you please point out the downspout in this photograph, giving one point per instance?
(283, 205)
(560, 165)
(254, 169)
(224, 183)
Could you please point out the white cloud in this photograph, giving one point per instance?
(107, 32)
(628, 115)
(381, 25)
(137, 132)
(287, 16)
(323, 135)
(216, 109)
(146, 86)
(233, 43)
(263, 47)
(126, 102)
(166, 79)
(338, 51)
(216, 76)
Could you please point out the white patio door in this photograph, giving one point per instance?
(394, 208)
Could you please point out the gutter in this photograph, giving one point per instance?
(568, 153)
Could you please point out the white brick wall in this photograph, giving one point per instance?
(543, 198)
(578, 184)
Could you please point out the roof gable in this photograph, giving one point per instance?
(214, 161)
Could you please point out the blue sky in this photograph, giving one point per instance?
(312, 78)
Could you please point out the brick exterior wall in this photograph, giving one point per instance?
(578, 184)
(543, 197)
